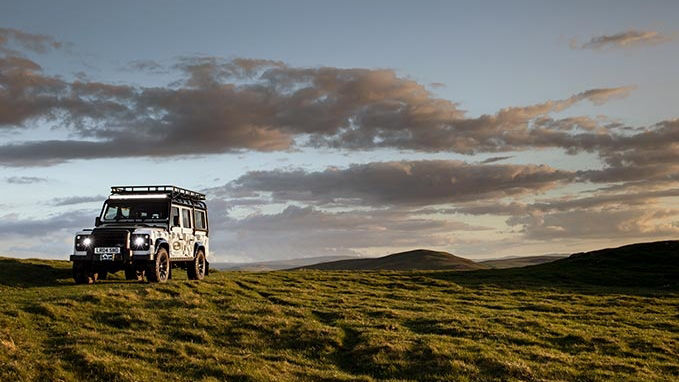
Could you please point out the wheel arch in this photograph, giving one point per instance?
(162, 243)
(199, 245)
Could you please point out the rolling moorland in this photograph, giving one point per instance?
(610, 314)
(516, 262)
(275, 265)
(418, 259)
(422, 262)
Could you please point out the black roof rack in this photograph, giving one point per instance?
(173, 191)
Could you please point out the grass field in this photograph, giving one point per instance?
(332, 325)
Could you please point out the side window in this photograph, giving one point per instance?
(186, 218)
(200, 220)
(174, 220)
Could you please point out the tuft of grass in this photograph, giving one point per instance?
(529, 325)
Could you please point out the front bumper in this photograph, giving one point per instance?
(117, 257)
(125, 256)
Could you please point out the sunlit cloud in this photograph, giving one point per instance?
(627, 39)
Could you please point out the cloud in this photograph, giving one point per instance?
(50, 236)
(601, 96)
(220, 106)
(25, 179)
(605, 215)
(34, 42)
(600, 200)
(67, 201)
(609, 224)
(206, 121)
(495, 159)
(398, 183)
(651, 155)
(149, 66)
(13, 225)
(626, 39)
(306, 231)
(444, 188)
(25, 94)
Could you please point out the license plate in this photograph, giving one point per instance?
(106, 257)
(102, 250)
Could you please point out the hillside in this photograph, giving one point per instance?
(274, 265)
(419, 259)
(604, 315)
(518, 262)
(650, 265)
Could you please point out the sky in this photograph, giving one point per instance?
(481, 128)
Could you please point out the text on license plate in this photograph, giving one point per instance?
(101, 250)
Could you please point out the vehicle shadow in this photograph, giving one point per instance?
(33, 273)
(27, 273)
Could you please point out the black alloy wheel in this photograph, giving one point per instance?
(159, 269)
(196, 269)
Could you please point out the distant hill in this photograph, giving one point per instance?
(648, 265)
(517, 262)
(419, 259)
(642, 264)
(275, 265)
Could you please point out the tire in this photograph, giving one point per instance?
(82, 274)
(158, 270)
(197, 267)
(134, 273)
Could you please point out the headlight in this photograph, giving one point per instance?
(82, 242)
(139, 242)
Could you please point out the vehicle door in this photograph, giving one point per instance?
(177, 243)
(200, 228)
(187, 231)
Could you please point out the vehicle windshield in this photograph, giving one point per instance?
(127, 210)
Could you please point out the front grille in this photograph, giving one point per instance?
(111, 238)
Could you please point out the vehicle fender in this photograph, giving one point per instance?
(162, 243)
(198, 245)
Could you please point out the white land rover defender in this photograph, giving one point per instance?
(145, 231)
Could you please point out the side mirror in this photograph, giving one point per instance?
(175, 221)
(97, 221)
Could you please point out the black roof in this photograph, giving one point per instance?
(177, 194)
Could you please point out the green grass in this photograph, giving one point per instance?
(333, 325)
